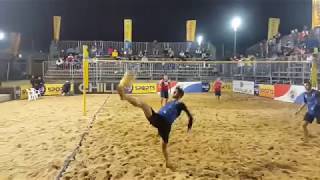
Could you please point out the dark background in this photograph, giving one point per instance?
(162, 20)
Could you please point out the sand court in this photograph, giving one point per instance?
(37, 136)
(243, 137)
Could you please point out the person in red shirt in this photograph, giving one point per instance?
(217, 88)
(164, 89)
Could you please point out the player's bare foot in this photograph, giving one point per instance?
(120, 92)
(170, 166)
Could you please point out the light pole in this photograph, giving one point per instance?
(235, 23)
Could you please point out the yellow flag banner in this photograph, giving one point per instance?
(273, 27)
(56, 27)
(191, 30)
(314, 74)
(315, 13)
(128, 30)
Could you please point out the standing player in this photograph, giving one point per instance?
(312, 101)
(217, 88)
(164, 89)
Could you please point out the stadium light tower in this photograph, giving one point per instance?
(199, 40)
(235, 23)
(2, 35)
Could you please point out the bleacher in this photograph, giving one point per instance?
(149, 49)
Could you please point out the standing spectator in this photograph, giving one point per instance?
(164, 89)
(155, 48)
(32, 81)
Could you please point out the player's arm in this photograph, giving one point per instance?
(302, 106)
(185, 109)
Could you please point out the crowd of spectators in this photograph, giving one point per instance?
(302, 42)
(73, 56)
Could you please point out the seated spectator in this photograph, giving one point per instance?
(115, 54)
(59, 63)
(181, 54)
(144, 59)
(40, 85)
(140, 54)
(110, 51)
(171, 53)
(66, 88)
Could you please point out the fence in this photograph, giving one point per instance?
(150, 48)
(294, 72)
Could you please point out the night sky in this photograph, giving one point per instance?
(162, 20)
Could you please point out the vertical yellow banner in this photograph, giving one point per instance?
(128, 30)
(315, 13)
(273, 27)
(314, 73)
(191, 30)
(56, 27)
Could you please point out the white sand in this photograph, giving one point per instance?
(241, 138)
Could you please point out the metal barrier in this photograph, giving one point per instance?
(150, 48)
(294, 72)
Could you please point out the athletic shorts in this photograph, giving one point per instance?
(217, 93)
(159, 122)
(164, 94)
(310, 117)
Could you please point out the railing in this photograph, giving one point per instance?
(294, 72)
(150, 48)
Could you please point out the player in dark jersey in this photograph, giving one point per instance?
(312, 101)
(163, 119)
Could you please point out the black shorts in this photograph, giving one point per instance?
(164, 94)
(164, 128)
(310, 117)
(217, 93)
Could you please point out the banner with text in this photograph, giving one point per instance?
(246, 87)
(144, 88)
(266, 90)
